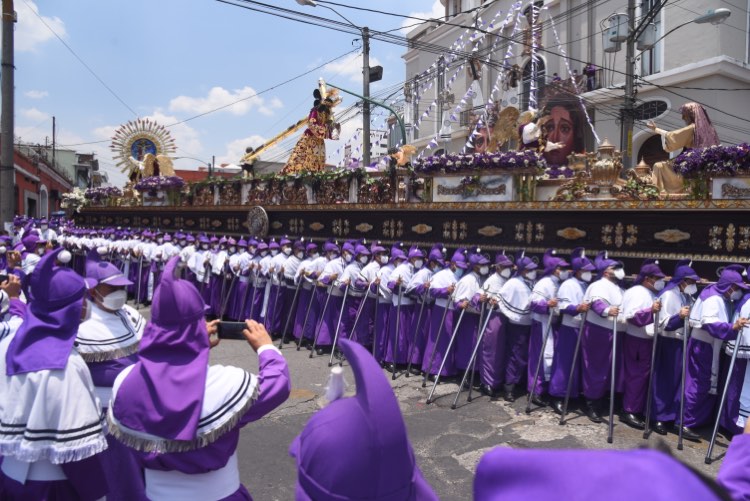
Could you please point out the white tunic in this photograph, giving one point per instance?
(571, 292)
(515, 300)
(611, 293)
(635, 299)
(404, 271)
(442, 280)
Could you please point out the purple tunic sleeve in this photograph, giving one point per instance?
(721, 330)
(17, 308)
(274, 384)
(440, 292)
(325, 280)
(674, 323)
(420, 289)
(361, 284)
(599, 306)
(642, 318)
(571, 309)
(392, 285)
(87, 477)
(733, 475)
(540, 307)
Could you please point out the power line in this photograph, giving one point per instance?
(81, 60)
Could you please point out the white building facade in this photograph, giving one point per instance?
(554, 40)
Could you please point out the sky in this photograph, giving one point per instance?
(170, 60)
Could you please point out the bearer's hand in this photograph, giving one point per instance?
(256, 335)
(552, 303)
(583, 307)
(740, 323)
(684, 312)
(12, 286)
(613, 311)
(213, 328)
(656, 306)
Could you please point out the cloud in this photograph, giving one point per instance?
(236, 149)
(437, 12)
(219, 97)
(349, 68)
(34, 115)
(36, 94)
(31, 32)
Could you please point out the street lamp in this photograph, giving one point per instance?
(207, 164)
(715, 16)
(366, 77)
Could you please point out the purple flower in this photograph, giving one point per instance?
(714, 161)
(501, 161)
(155, 183)
(99, 194)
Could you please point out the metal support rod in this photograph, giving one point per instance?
(307, 316)
(437, 340)
(338, 325)
(650, 392)
(685, 336)
(291, 313)
(611, 423)
(545, 338)
(445, 356)
(322, 319)
(7, 170)
(469, 366)
(573, 369)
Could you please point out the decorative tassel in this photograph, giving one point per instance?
(336, 384)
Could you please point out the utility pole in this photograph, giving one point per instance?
(626, 116)
(54, 141)
(7, 171)
(366, 145)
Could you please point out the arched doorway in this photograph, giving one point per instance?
(651, 151)
(43, 201)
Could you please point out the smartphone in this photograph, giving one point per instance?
(232, 330)
(3, 278)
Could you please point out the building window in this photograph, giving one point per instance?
(650, 110)
(541, 73)
(651, 59)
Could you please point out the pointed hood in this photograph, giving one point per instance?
(602, 261)
(551, 261)
(357, 447)
(46, 336)
(579, 261)
(103, 272)
(682, 270)
(172, 364)
(649, 267)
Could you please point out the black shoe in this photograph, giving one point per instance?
(688, 434)
(389, 367)
(320, 351)
(660, 428)
(509, 393)
(486, 389)
(415, 371)
(633, 421)
(538, 400)
(557, 405)
(592, 412)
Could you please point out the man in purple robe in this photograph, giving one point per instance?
(357, 447)
(52, 432)
(571, 306)
(676, 299)
(306, 276)
(400, 322)
(605, 296)
(640, 304)
(181, 416)
(711, 324)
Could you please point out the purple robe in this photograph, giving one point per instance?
(382, 333)
(326, 327)
(274, 384)
(303, 302)
(491, 356)
(667, 381)
(276, 301)
(402, 336)
(536, 336)
(439, 349)
(731, 410)
(637, 364)
(516, 352)
(466, 339)
(565, 338)
(86, 482)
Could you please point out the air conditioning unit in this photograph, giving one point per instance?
(618, 28)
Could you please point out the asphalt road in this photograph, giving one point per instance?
(448, 443)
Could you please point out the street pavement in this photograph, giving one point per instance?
(448, 443)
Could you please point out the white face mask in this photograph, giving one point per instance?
(263, 253)
(586, 276)
(459, 272)
(659, 285)
(288, 251)
(44, 227)
(41, 251)
(2, 249)
(690, 289)
(183, 243)
(363, 259)
(383, 259)
(736, 295)
(620, 273)
(204, 246)
(484, 270)
(299, 255)
(160, 240)
(315, 255)
(233, 249)
(418, 264)
(348, 257)
(531, 275)
(274, 252)
(115, 300)
(564, 275)
(505, 272)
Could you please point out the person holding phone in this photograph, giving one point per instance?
(182, 417)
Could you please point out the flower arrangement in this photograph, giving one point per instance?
(74, 200)
(714, 161)
(557, 172)
(514, 161)
(156, 183)
(102, 193)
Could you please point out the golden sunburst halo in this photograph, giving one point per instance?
(138, 137)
